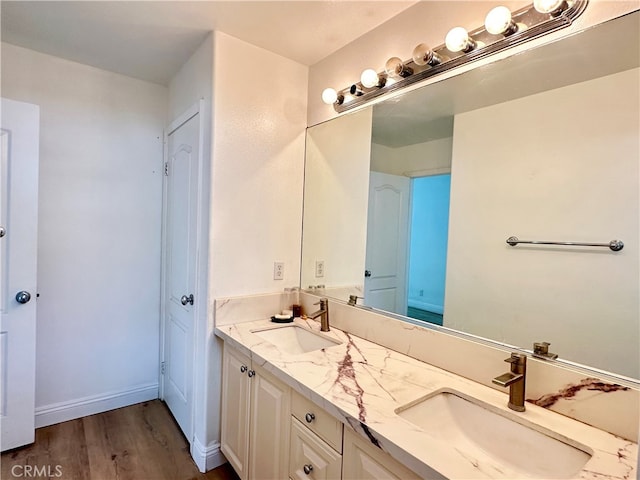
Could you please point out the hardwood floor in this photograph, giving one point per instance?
(140, 442)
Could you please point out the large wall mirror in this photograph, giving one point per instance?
(409, 203)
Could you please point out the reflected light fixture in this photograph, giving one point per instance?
(458, 40)
(552, 7)
(423, 55)
(370, 79)
(396, 68)
(502, 29)
(499, 21)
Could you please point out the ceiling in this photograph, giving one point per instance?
(150, 40)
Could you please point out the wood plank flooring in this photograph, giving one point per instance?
(140, 442)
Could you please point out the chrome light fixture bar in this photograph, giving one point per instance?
(499, 33)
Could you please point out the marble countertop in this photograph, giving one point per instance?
(363, 384)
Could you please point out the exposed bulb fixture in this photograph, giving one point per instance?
(499, 22)
(396, 68)
(553, 7)
(458, 40)
(423, 55)
(331, 97)
(370, 79)
(503, 29)
(355, 90)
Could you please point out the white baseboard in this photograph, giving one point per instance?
(429, 307)
(206, 458)
(81, 407)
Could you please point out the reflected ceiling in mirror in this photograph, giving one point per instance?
(542, 145)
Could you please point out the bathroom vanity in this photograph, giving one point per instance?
(300, 403)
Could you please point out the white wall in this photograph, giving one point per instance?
(254, 156)
(417, 160)
(336, 198)
(258, 151)
(99, 229)
(429, 22)
(550, 166)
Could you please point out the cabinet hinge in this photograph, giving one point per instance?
(162, 367)
(166, 169)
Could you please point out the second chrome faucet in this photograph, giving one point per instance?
(515, 380)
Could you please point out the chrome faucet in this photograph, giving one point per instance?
(515, 380)
(323, 313)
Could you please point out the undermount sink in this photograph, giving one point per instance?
(295, 339)
(490, 436)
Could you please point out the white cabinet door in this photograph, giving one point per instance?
(311, 458)
(270, 417)
(235, 409)
(363, 461)
(19, 162)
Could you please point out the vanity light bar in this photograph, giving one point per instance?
(540, 18)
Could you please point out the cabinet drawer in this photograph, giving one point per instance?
(317, 420)
(310, 457)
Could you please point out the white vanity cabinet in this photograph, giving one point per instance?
(364, 461)
(256, 416)
(316, 442)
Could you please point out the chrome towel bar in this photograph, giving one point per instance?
(615, 245)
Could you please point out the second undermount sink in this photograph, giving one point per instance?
(489, 436)
(295, 339)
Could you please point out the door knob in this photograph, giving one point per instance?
(3, 232)
(23, 297)
(367, 273)
(184, 300)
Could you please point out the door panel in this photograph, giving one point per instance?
(270, 418)
(235, 408)
(387, 242)
(18, 252)
(180, 259)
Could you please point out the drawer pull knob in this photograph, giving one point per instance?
(243, 369)
(309, 417)
(308, 469)
(251, 373)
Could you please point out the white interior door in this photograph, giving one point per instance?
(19, 136)
(180, 263)
(387, 239)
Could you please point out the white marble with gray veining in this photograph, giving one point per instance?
(363, 383)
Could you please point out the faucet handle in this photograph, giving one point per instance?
(322, 302)
(516, 358)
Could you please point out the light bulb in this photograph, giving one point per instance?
(423, 55)
(549, 6)
(499, 21)
(458, 40)
(329, 96)
(370, 79)
(395, 68)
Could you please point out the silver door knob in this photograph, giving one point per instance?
(307, 469)
(184, 300)
(23, 297)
